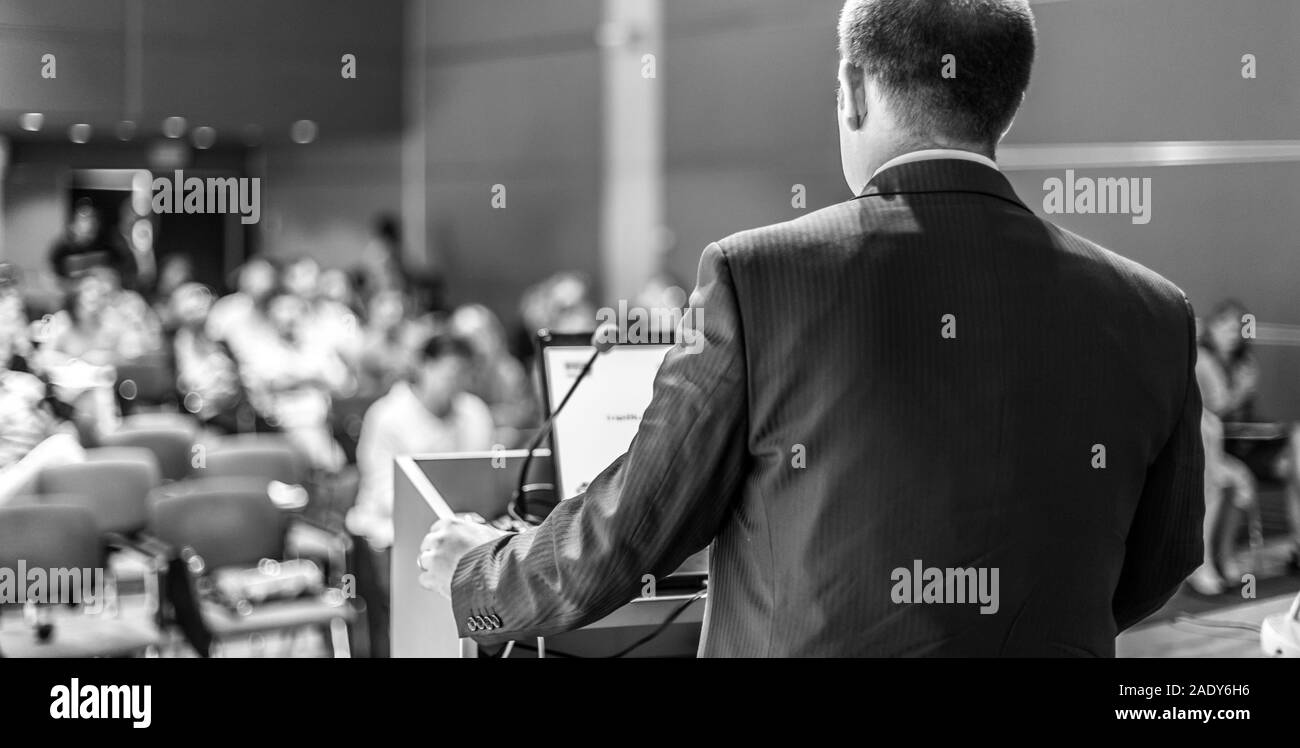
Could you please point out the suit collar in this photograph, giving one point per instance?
(941, 175)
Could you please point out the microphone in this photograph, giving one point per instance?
(603, 340)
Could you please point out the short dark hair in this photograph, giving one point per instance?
(444, 344)
(901, 44)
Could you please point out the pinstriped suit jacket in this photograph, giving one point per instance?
(829, 434)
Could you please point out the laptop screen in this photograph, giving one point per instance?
(605, 411)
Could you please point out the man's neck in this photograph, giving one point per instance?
(889, 149)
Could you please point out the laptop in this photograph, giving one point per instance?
(602, 416)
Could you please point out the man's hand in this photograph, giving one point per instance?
(441, 550)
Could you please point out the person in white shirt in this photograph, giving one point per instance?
(432, 413)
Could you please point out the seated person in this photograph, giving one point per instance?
(432, 413)
(101, 324)
(1223, 474)
(1228, 376)
(496, 377)
(387, 352)
(289, 379)
(31, 436)
(235, 313)
(206, 373)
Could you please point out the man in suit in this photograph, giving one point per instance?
(922, 383)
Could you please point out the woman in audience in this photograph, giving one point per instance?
(495, 377)
(1228, 376)
(1224, 474)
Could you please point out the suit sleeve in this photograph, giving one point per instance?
(664, 499)
(1164, 543)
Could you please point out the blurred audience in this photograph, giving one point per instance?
(289, 377)
(562, 303)
(101, 323)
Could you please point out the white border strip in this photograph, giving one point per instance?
(1150, 153)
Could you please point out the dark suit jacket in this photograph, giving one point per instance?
(829, 434)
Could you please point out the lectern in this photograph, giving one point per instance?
(428, 487)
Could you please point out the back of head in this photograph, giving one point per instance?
(952, 71)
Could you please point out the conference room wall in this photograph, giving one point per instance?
(512, 98)
(319, 199)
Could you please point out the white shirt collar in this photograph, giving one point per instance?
(929, 154)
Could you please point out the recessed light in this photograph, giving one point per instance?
(303, 131)
(173, 127)
(204, 137)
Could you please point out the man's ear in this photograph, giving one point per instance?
(853, 96)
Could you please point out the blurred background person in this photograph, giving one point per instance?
(561, 303)
(234, 314)
(206, 373)
(177, 270)
(14, 325)
(433, 412)
(388, 344)
(32, 438)
(1228, 375)
(289, 379)
(496, 377)
(84, 246)
(381, 267)
(102, 323)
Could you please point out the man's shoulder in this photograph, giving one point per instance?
(849, 221)
(1119, 271)
(820, 227)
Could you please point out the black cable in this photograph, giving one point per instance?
(516, 509)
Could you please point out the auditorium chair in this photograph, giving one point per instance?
(146, 383)
(172, 446)
(266, 456)
(231, 525)
(55, 537)
(114, 484)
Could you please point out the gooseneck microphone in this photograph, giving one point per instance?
(603, 339)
